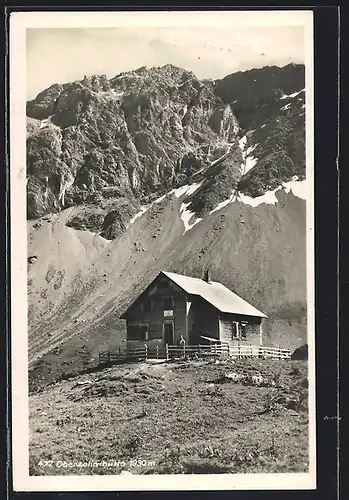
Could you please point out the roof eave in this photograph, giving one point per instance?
(259, 315)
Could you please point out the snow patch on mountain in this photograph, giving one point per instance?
(64, 186)
(298, 188)
(186, 216)
(145, 208)
(221, 158)
(160, 199)
(46, 122)
(187, 190)
(224, 203)
(242, 143)
(138, 214)
(249, 161)
(250, 149)
(287, 96)
(287, 106)
(268, 197)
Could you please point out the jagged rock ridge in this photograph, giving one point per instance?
(107, 146)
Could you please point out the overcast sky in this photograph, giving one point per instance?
(59, 55)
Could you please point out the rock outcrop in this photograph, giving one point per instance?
(300, 353)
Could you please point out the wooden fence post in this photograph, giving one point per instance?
(145, 351)
(157, 352)
(239, 354)
(199, 351)
(166, 347)
(108, 357)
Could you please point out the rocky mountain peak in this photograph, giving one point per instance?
(97, 83)
(144, 132)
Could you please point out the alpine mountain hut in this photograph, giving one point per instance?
(200, 310)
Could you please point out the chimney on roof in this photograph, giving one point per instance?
(207, 276)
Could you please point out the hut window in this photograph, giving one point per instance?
(138, 332)
(235, 330)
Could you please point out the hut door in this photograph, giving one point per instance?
(169, 333)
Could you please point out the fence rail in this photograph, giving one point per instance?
(170, 352)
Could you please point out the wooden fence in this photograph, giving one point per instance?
(259, 351)
(191, 351)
